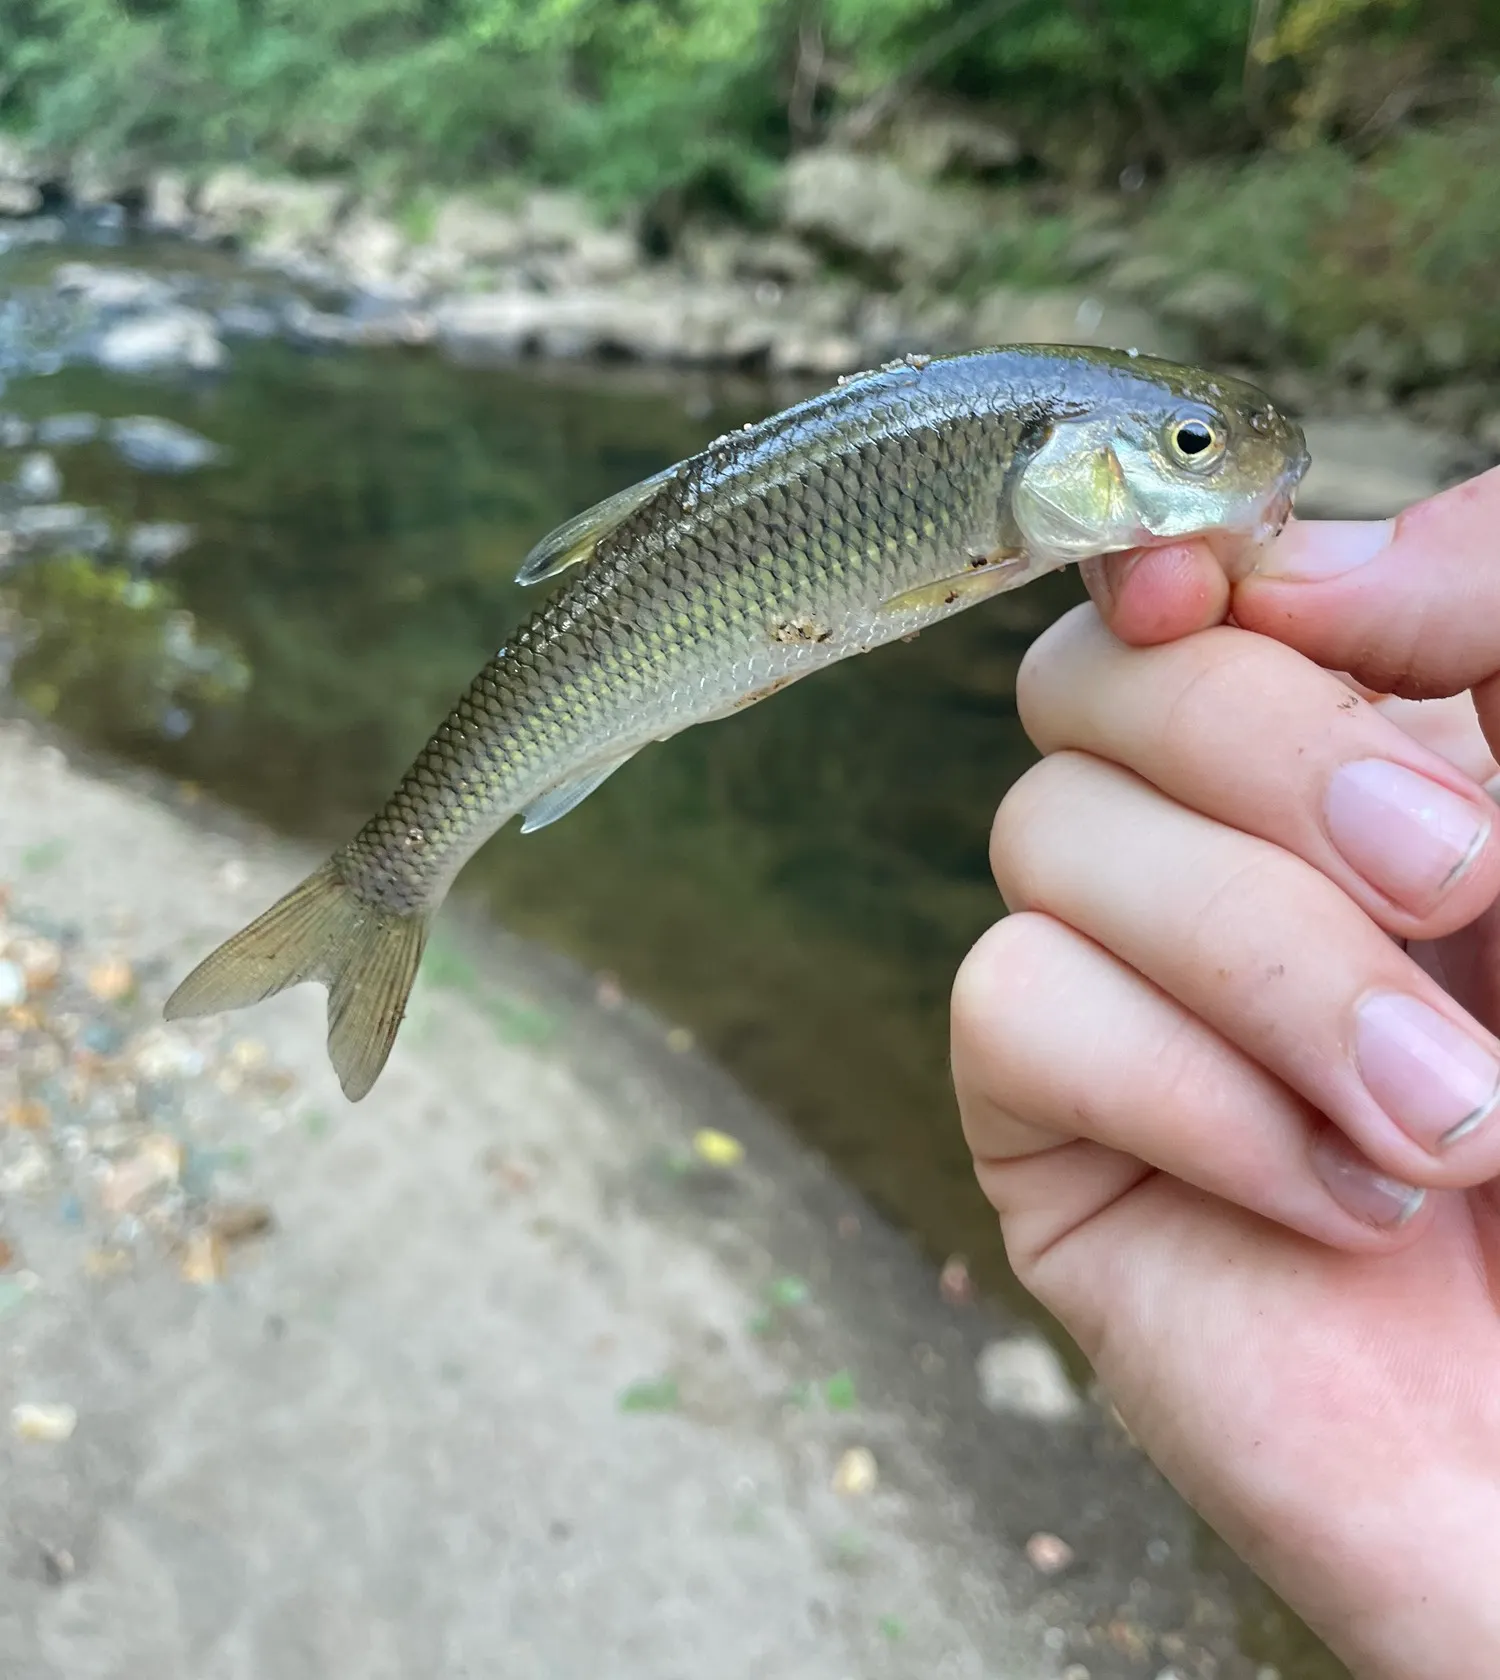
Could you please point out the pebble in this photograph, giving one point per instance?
(41, 963)
(235, 1222)
(164, 1054)
(12, 985)
(7, 1254)
(1022, 1375)
(157, 1162)
(954, 1282)
(202, 1257)
(110, 980)
(1048, 1554)
(35, 1421)
(856, 1473)
(717, 1148)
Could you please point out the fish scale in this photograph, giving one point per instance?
(846, 522)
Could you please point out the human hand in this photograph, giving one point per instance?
(1227, 1071)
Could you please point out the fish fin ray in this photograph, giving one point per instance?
(577, 539)
(566, 796)
(1007, 571)
(366, 956)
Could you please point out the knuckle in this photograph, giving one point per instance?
(1026, 814)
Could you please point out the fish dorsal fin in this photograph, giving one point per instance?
(558, 801)
(576, 540)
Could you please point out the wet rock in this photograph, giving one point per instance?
(247, 320)
(19, 163)
(169, 205)
(692, 325)
(13, 986)
(158, 542)
(64, 431)
(823, 353)
(114, 291)
(1371, 468)
(58, 528)
(178, 339)
(870, 208)
(1073, 316)
(1375, 357)
(1024, 1376)
(160, 446)
(37, 478)
(317, 328)
(36, 230)
(19, 198)
(15, 432)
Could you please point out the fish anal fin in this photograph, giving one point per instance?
(567, 796)
(577, 539)
(989, 575)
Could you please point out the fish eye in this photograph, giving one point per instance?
(1195, 442)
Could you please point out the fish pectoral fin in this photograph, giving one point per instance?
(1003, 571)
(576, 540)
(558, 801)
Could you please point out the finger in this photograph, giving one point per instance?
(1158, 594)
(1410, 606)
(1267, 951)
(1054, 1040)
(1248, 732)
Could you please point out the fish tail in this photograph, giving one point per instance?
(365, 955)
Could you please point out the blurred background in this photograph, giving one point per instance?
(314, 319)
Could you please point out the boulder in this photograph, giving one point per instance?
(113, 291)
(159, 542)
(1007, 315)
(58, 528)
(273, 213)
(153, 445)
(870, 208)
(169, 203)
(37, 478)
(469, 231)
(67, 431)
(179, 339)
(19, 198)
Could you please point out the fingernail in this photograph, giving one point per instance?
(1410, 838)
(1436, 1082)
(1324, 548)
(1359, 1189)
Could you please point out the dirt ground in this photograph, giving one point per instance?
(523, 1377)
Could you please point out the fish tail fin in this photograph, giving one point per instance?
(365, 955)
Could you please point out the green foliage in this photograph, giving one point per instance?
(1403, 242)
(631, 101)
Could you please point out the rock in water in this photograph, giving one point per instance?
(169, 340)
(162, 446)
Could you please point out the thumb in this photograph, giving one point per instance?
(1407, 606)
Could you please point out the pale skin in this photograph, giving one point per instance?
(1229, 1071)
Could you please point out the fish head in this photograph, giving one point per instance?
(1160, 453)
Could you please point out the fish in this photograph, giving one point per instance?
(853, 519)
